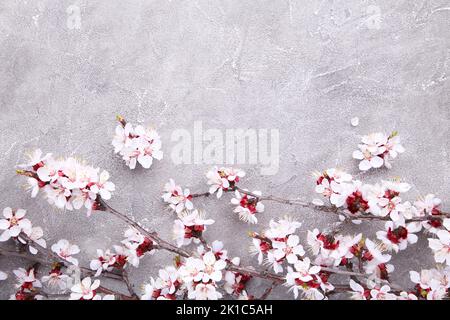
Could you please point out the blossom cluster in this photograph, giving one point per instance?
(132, 249)
(137, 144)
(381, 199)
(27, 285)
(209, 272)
(197, 277)
(385, 200)
(278, 244)
(223, 179)
(330, 249)
(59, 280)
(67, 183)
(15, 225)
(189, 228)
(430, 284)
(247, 206)
(378, 149)
(373, 290)
(178, 199)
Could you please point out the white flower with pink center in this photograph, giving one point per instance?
(428, 205)
(103, 187)
(289, 249)
(212, 270)
(65, 250)
(191, 270)
(371, 151)
(332, 185)
(396, 236)
(382, 293)
(375, 260)
(358, 292)
(344, 250)
(384, 199)
(204, 291)
(432, 284)
(35, 159)
(223, 179)
(150, 291)
(377, 149)
(35, 234)
(441, 247)
(216, 248)
(178, 199)
(56, 281)
(190, 227)
(85, 290)
(26, 278)
(281, 228)
(68, 183)
(168, 280)
(247, 206)
(14, 223)
(304, 278)
(137, 145)
(104, 262)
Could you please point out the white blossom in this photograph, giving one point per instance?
(377, 149)
(14, 223)
(247, 206)
(137, 145)
(85, 290)
(68, 183)
(65, 250)
(178, 199)
(223, 179)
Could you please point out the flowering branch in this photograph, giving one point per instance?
(84, 271)
(322, 208)
(158, 242)
(54, 257)
(244, 270)
(69, 184)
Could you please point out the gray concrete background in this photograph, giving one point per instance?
(303, 67)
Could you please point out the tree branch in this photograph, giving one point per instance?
(326, 209)
(162, 244)
(84, 271)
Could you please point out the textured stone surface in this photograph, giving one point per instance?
(303, 67)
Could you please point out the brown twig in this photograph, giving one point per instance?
(268, 291)
(10, 253)
(128, 283)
